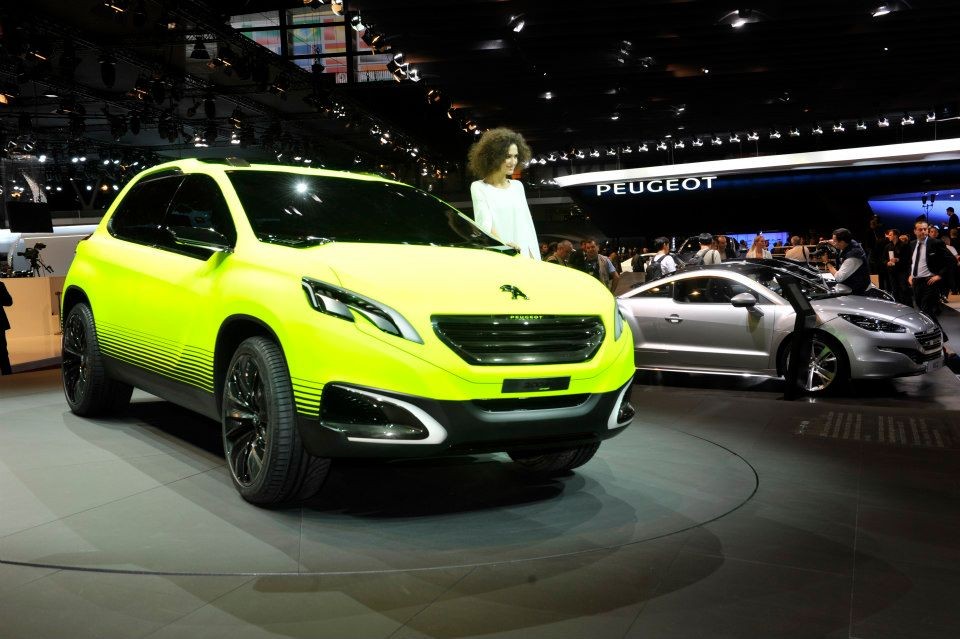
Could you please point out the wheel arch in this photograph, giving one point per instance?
(71, 297)
(787, 342)
(233, 331)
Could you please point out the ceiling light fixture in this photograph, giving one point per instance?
(887, 8)
(734, 138)
(697, 142)
(794, 132)
(662, 146)
(679, 144)
(817, 130)
(907, 120)
(775, 135)
(931, 117)
(883, 123)
(716, 141)
(643, 148)
(861, 125)
(839, 128)
(753, 136)
(516, 23)
(738, 18)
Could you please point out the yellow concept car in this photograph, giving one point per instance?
(317, 314)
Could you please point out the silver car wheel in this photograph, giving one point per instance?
(821, 366)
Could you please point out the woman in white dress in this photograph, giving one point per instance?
(499, 203)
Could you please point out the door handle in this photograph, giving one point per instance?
(674, 319)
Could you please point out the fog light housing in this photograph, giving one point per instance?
(371, 417)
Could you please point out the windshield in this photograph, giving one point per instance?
(772, 278)
(301, 210)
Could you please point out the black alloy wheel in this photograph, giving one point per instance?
(268, 463)
(89, 390)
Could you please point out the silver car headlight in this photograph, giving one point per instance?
(873, 324)
(617, 321)
(339, 302)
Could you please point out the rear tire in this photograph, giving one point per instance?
(555, 461)
(90, 392)
(267, 461)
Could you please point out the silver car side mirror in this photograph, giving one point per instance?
(741, 300)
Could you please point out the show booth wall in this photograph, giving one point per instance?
(798, 201)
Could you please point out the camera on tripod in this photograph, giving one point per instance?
(32, 255)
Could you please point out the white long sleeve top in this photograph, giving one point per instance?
(504, 214)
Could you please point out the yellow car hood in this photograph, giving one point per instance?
(420, 281)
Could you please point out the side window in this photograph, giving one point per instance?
(139, 216)
(702, 290)
(200, 204)
(663, 290)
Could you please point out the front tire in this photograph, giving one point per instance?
(557, 461)
(823, 367)
(90, 392)
(267, 461)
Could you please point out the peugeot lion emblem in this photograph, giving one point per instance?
(514, 291)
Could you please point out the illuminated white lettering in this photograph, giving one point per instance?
(655, 183)
(639, 188)
(691, 184)
(619, 188)
(709, 180)
(657, 186)
(673, 185)
(602, 188)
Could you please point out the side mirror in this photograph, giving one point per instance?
(201, 238)
(743, 300)
(841, 289)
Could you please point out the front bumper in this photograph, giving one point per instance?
(475, 426)
(885, 355)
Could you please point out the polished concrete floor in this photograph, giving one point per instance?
(724, 511)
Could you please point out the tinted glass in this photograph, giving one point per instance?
(700, 290)
(662, 290)
(139, 215)
(299, 209)
(200, 204)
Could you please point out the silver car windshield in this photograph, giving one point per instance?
(772, 279)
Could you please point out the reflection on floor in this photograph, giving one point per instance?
(724, 511)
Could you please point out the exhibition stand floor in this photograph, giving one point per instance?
(724, 511)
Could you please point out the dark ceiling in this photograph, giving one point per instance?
(585, 76)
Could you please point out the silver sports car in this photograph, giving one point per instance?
(735, 318)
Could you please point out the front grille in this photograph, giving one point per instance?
(511, 404)
(931, 340)
(495, 340)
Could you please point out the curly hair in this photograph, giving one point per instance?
(488, 153)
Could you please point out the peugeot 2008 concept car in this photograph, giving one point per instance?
(317, 314)
(733, 318)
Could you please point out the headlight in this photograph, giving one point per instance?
(873, 324)
(339, 302)
(617, 321)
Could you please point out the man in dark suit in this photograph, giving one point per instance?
(5, 300)
(929, 268)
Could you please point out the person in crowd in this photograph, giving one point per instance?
(797, 251)
(952, 274)
(561, 255)
(599, 266)
(663, 258)
(614, 257)
(707, 254)
(952, 220)
(5, 300)
(727, 252)
(872, 241)
(758, 250)
(851, 267)
(929, 264)
(499, 202)
(897, 267)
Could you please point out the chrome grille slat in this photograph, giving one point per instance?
(502, 339)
